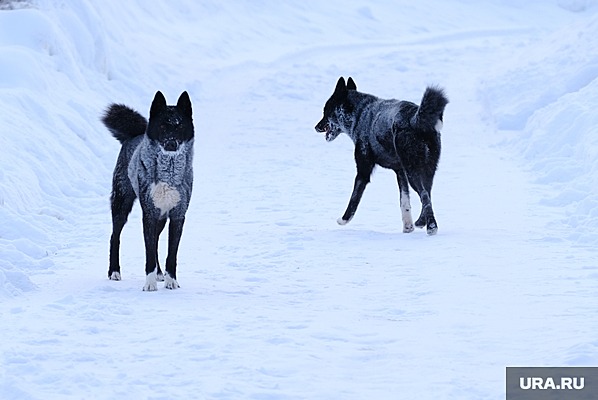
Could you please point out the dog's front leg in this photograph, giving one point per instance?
(175, 231)
(364, 170)
(150, 234)
(159, 274)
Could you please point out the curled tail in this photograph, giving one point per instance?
(429, 114)
(123, 122)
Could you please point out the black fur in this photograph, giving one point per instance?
(155, 164)
(394, 134)
(123, 122)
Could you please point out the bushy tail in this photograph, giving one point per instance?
(431, 108)
(123, 122)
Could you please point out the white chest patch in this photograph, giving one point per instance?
(438, 126)
(164, 196)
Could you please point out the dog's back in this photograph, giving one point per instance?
(375, 115)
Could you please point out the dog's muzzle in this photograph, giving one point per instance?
(322, 127)
(170, 145)
(325, 127)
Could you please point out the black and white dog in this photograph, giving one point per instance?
(394, 134)
(155, 164)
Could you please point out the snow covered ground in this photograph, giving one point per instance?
(277, 301)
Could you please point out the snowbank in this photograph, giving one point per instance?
(547, 100)
(49, 151)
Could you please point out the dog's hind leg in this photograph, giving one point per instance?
(364, 170)
(424, 180)
(426, 217)
(404, 201)
(175, 231)
(121, 202)
(159, 274)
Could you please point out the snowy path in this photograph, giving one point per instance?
(279, 302)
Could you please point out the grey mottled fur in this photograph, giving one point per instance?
(393, 134)
(155, 165)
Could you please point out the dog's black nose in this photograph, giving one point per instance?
(170, 145)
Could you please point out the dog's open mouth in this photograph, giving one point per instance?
(325, 129)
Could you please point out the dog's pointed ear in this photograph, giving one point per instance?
(158, 104)
(184, 104)
(351, 84)
(341, 87)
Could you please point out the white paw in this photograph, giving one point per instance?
(115, 276)
(342, 221)
(151, 284)
(170, 283)
(408, 228)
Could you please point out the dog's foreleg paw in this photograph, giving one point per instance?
(151, 284)
(115, 276)
(342, 221)
(170, 283)
(408, 228)
(150, 288)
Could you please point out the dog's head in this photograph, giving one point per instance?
(170, 126)
(337, 110)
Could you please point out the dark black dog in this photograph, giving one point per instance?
(394, 134)
(155, 164)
